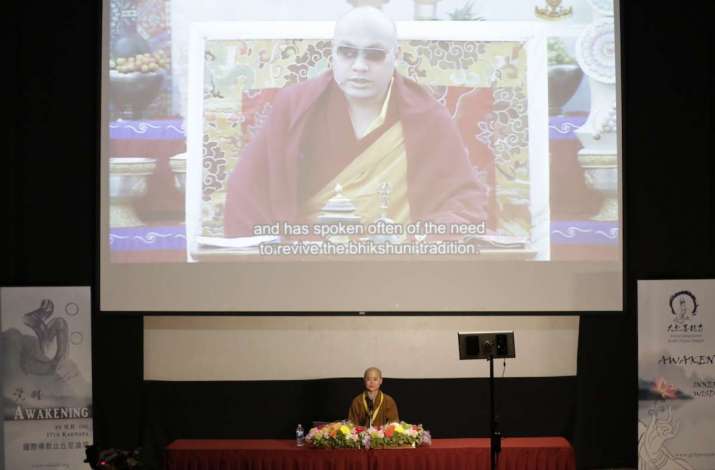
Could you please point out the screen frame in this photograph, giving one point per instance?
(102, 246)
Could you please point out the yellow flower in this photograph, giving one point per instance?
(344, 429)
(399, 429)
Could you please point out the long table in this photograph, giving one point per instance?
(534, 453)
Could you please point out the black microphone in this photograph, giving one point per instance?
(370, 405)
(488, 347)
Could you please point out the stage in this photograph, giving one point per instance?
(542, 453)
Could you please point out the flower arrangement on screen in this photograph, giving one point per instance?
(345, 435)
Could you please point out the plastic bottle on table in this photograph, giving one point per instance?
(299, 436)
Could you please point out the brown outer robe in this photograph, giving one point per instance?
(386, 414)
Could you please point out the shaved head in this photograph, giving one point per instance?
(372, 369)
(364, 54)
(372, 22)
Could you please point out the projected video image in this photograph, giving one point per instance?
(335, 130)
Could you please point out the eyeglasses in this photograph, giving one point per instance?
(370, 54)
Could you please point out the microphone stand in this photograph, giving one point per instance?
(494, 433)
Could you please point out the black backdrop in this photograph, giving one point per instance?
(49, 211)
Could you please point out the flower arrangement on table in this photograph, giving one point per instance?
(337, 435)
(345, 435)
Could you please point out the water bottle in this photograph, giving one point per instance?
(299, 436)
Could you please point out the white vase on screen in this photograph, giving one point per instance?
(596, 55)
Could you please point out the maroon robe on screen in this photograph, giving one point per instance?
(265, 185)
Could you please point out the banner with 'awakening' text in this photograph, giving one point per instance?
(46, 380)
(676, 374)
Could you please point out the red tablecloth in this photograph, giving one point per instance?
(539, 453)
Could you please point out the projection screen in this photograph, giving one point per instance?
(295, 156)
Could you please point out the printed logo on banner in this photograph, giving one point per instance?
(685, 325)
(684, 306)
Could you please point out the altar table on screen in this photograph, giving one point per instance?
(535, 453)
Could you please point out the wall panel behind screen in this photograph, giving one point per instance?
(294, 348)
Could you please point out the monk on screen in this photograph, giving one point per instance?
(359, 125)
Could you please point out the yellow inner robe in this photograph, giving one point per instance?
(385, 161)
